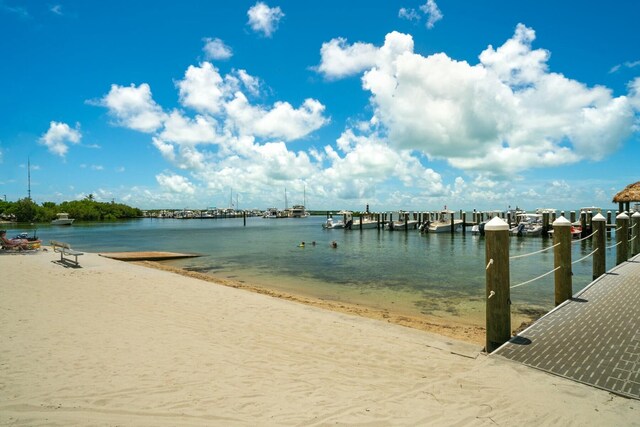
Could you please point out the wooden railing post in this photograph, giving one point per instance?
(598, 224)
(622, 238)
(498, 320)
(635, 243)
(562, 259)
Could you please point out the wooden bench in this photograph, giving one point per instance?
(65, 250)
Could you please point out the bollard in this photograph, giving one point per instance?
(545, 224)
(453, 230)
(498, 320)
(622, 238)
(464, 222)
(635, 243)
(562, 259)
(583, 224)
(598, 224)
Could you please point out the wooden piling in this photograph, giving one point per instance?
(598, 224)
(608, 223)
(453, 230)
(498, 309)
(545, 224)
(562, 259)
(622, 238)
(635, 232)
(244, 218)
(464, 222)
(572, 216)
(360, 222)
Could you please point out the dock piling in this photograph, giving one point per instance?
(598, 223)
(562, 259)
(498, 309)
(635, 242)
(622, 238)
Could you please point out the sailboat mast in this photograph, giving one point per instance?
(285, 198)
(29, 177)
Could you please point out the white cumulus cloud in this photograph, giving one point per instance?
(505, 114)
(431, 9)
(264, 19)
(216, 49)
(59, 136)
(175, 183)
(134, 107)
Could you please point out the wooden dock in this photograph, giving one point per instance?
(593, 338)
(146, 256)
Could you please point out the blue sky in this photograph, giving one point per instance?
(395, 104)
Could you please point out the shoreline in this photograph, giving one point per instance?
(117, 343)
(467, 333)
(448, 327)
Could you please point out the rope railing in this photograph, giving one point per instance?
(534, 279)
(613, 246)
(585, 257)
(489, 264)
(533, 253)
(584, 238)
(618, 229)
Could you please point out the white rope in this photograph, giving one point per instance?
(583, 258)
(631, 239)
(618, 229)
(492, 293)
(613, 246)
(632, 227)
(584, 238)
(533, 253)
(533, 280)
(489, 264)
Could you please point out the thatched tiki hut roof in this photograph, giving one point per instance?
(631, 193)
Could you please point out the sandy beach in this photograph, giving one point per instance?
(115, 343)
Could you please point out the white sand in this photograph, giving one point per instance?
(113, 343)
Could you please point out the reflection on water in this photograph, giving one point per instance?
(433, 274)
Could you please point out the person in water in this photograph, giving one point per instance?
(334, 244)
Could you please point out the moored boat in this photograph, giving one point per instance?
(62, 219)
(444, 223)
(345, 220)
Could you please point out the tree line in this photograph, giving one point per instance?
(88, 209)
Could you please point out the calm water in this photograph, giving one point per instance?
(434, 274)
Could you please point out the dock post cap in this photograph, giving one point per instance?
(598, 217)
(496, 224)
(622, 216)
(635, 215)
(561, 222)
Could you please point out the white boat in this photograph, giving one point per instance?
(273, 213)
(298, 211)
(62, 219)
(344, 220)
(443, 223)
(401, 224)
(367, 220)
(527, 225)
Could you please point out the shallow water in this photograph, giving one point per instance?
(440, 275)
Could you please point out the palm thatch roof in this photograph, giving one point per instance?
(631, 193)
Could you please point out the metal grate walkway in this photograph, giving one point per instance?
(594, 338)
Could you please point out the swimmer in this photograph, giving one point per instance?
(334, 244)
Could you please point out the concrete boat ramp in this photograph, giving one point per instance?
(593, 338)
(146, 256)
